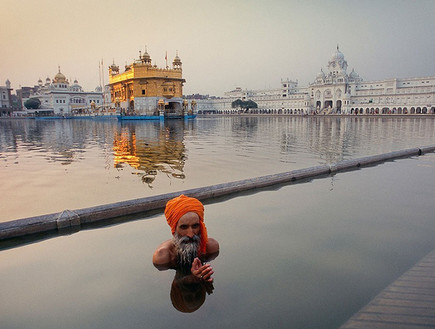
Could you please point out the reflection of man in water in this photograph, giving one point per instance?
(190, 245)
(188, 293)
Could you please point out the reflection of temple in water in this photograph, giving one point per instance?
(151, 147)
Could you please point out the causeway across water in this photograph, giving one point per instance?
(409, 302)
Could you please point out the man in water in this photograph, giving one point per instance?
(190, 246)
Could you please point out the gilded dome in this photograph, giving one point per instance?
(146, 55)
(146, 58)
(59, 77)
(177, 61)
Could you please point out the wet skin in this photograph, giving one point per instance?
(165, 256)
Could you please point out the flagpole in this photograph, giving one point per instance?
(103, 88)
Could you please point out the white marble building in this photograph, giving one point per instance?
(59, 97)
(335, 91)
(5, 99)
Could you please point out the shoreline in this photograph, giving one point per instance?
(283, 116)
(320, 116)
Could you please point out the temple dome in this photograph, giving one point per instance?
(75, 86)
(177, 62)
(354, 75)
(59, 77)
(146, 55)
(337, 56)
(146, 58)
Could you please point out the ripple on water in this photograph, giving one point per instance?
(167, 157)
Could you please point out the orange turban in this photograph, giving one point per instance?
(177, 207)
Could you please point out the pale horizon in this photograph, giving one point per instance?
(223, 45)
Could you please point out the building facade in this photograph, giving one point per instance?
(143, 88)
(6, 99)
(337, 92)
(59, 97)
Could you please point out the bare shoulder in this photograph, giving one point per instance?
(212, 247)
(164, 255)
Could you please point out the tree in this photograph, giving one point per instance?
(32, 103)
(237, 103)
(250, 105)
(244, 104)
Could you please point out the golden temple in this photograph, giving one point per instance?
(144, 89)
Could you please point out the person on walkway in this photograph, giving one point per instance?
(190, 246)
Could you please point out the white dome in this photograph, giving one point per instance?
(354, 75)
(337, 56)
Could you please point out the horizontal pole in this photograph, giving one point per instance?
(73, 219)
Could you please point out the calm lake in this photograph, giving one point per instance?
(305, 255)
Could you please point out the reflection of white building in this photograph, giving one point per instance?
(337, 91)
(60, 97)
(5, 99)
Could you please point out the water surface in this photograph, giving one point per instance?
(53, 165)
(305, 255)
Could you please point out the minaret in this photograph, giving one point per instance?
(176, 64)
(146, 59)
(113, 69)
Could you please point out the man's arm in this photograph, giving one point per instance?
(163, 256)
(212, 249)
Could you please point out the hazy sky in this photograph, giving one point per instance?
(222, 44)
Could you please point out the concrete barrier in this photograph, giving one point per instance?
(69, 219)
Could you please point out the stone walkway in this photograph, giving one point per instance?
(409, 302)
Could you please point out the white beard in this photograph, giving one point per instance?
(187, 249)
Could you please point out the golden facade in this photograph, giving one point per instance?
(152, 149)
(142, 85)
